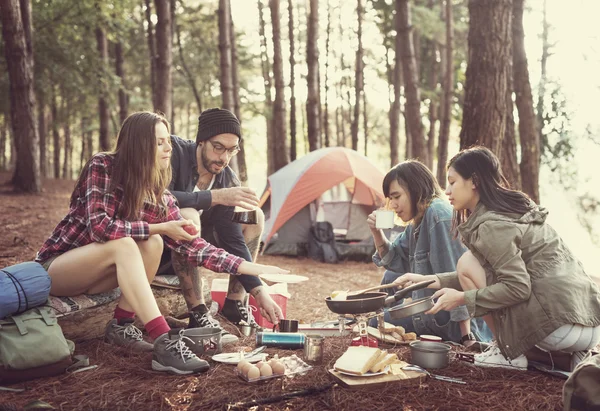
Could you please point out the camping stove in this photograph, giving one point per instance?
(361, 322)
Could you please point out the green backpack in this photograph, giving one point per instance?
(582, 390)
(32, 345)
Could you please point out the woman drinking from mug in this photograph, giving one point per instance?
(425, 247)
(120, 217)
(518, 273)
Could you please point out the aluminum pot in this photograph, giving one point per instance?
(414, 307)
(429, 354)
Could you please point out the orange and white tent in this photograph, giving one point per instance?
(342, 184)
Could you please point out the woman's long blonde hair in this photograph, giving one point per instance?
(135, 167)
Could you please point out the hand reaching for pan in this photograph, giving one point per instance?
(447, 299)
(409, 279)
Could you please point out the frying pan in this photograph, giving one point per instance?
(371, 302)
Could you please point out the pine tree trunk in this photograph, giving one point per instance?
(240, 159)
(293, 143)
(82, 157)
(508, 157)
(3, 145)
(358, 77)
(164, 57)
(312, 78)
(448, 86)
(120, 72)
(542, 84)
(279, 116)
(488, 68)
(433, 106)
(326, 111)
(411, 80)
(528, 133)
(266, 71)
(151, 50)
(225, 56)
(365, 121)
(103, 113)
(68, 150)
(42, 132)
(395, 106)
(55, 135)
(16, 32)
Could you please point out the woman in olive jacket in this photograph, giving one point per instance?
(518, 273)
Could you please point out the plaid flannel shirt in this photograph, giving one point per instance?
(93, 217)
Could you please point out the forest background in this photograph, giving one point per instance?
(304, 74)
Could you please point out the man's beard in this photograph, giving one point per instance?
(207, 164)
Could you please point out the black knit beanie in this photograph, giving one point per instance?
(215, 121)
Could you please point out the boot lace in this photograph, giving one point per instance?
(206, 320)
(246, 314)
(131, 332)
(181, 348)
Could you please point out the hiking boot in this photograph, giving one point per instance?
(172, 355)
(126, 335)
(492, 357)
(239, 314)
(206, 320)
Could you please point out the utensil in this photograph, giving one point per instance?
(313, 349)
(429, 354)
(367, 374)
(235, 357)
(366, 290)
(283, 278)
(414, 307)
(416, 368)
(286, 326)
(371, 302)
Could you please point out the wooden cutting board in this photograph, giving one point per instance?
(409, 377)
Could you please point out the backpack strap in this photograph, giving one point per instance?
(47, 317)
(20, 324)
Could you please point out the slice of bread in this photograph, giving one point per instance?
(357, 360)
(387, 360)
(381, 357)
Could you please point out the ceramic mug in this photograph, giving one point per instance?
(287, 326)
(384, 219)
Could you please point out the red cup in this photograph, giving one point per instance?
(430, 338)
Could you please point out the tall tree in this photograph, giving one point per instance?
(312, 78)
(508, 157)
(240, 160)
(279, 118)
(225, 55)
(266, 71)
(120, 72)
(55, 134)
(326, 110)
(488, 68)
(151, 49)
(411, 80)
(358, 77)
(103, 112)
(434, 67)
(3, 140)
(293, 153)
(448, 87)
(394, 114)
(68, 148)
(528, 128)
(164, 57)
(18, 51)
(42, 133)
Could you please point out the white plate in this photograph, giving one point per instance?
(284, 278)
(368, 374)
(227, 358)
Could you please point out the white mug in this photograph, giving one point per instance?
(384, 219)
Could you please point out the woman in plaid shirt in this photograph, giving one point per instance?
(120, 218)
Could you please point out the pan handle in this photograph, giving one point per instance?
(406, 291)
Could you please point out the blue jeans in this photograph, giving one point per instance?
(438, 324)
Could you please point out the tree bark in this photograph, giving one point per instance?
(312, 78)
(546, 53)
(446, 119)
(42, 133)
(19, 60)
(55, 135)
(358, 77)
(433, 106)
(68, 151)
(528, 132)
(411, 80)
(164, 57)
(293, 143)
(326, 110)
(266, 71)
(395, 107)
(225, 56)
(3, 135)
(508, 158)
(488, 68)
(279, 116)
(242, 169)
(365, 122)
(120, 72)
(151, 50)
(103, 113)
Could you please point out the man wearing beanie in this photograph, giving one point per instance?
(207, 190)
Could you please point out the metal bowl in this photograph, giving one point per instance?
(427, 354)
(414, 307)
(357, 304)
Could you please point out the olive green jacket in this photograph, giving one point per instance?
(535, 284)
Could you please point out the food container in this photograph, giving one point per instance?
(313, 349)
(428, 354)
(409, 309)
(431, 338)
(290, 341)
(206, 341)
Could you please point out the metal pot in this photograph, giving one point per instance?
(371, 302)
(429, 354)
(414, 307)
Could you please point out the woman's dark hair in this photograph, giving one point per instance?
(480, 164)
(418, 181)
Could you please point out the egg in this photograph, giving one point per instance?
(260, 364)
(241, 365)
(278, 368)
(253, 373)
(246, 368)
(266, 371)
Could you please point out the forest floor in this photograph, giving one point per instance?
(125, 381)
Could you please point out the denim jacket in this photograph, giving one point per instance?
(428, 249)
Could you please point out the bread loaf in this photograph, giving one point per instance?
(357, 360)
(387, 360)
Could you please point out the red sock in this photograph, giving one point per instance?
(121, 314)
(157, 327)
